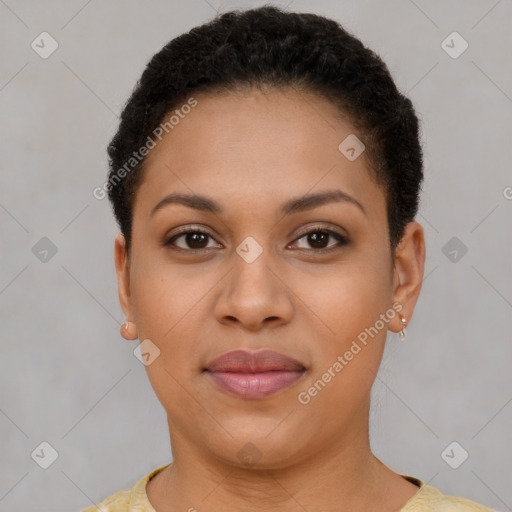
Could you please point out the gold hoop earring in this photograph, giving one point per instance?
(402, 331)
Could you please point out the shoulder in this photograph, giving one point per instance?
(119, 502)
(128, 500)
(431, 499)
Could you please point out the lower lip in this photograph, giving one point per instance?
(255, 385)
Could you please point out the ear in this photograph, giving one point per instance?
(409, 264)
(123, 276)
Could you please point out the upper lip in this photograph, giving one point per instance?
(243, 361)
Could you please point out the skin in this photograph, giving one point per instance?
(252, 151)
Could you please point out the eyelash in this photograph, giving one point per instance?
(342, 240)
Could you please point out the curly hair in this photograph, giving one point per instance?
(268, 47)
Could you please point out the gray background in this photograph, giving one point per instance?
(66, 375)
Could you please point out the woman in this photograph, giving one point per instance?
(266, 177)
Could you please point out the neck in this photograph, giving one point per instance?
(342, 476)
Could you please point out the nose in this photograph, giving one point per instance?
(254, 295)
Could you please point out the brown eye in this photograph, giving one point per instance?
(318, 239)
(196, 240)
(190, 240)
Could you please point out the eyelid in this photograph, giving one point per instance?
(320, 227)
(190, 227)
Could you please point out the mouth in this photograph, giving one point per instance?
(254, 375)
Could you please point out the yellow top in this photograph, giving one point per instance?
(427, 499)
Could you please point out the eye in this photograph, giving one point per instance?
(192, 240)
(317, 238)
(196, 240)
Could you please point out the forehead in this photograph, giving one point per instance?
(259, 147)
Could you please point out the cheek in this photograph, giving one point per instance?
(169, 305)
(348, 306)
(165, 296)
(350, 346)
(168, 311)
(351, 296)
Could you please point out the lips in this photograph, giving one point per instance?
(254, 375)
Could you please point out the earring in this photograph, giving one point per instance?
(402, 332)
(129, 331)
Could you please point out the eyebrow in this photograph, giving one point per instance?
(294, 205)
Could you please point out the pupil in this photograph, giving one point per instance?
(315, 237)
(194, 238)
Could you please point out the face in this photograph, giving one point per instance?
(288, 252)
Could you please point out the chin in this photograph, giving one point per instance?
(265, 445)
